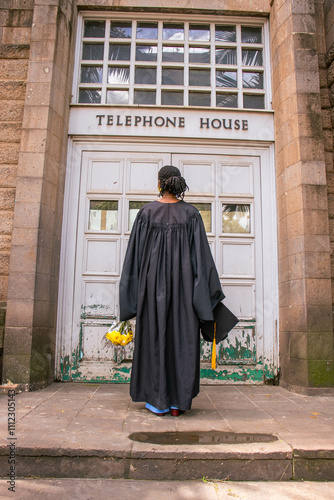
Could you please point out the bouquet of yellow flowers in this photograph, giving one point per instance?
(120, 333)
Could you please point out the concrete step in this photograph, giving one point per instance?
(95, 431)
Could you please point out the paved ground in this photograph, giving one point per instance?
(91, 489)
(82, 430)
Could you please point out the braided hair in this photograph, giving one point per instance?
(171, 181)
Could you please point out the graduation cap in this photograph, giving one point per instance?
(217, 330)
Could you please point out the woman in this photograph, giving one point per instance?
(169, 282)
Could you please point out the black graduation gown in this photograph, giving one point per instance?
(169, 282)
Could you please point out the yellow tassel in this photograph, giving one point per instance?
(213, 354)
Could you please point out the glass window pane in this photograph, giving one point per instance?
(144, 97)
(147, 31)
(173, 31)
(199, 77)
(119, 52)
(94, 29)
(91, 74)
(226, 56)
(226, 78)
(199, 99)
(120, 29)
(169, 98)
(199, 32)
(117, 97)
(103, 215)
(134, 207)
(92, 51)
(172, 76)
(254, 101)
(118, 75)
(205, 211)
(90, 96)
(251, 35)
(199, 54)
(226, 33)
(227, 100)
(252, 80)
(146, 76)
(172, 54)
(236, 218)
(146, 52)
(251, 57)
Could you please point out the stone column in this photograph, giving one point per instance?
(306, 323)
(33, 273)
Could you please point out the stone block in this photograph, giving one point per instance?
(44, 261)
(316, 243)
(16, 368)
(36, 117)
(323, 78)
(306, 58)
(303, 23)
(43, 284)
(328, 140)
(295, 224)
(294, 371)
(320, 318)
(4, 263)
(305, 41)
(10, 132)
(314, 196)
(38, 94)
(3, 287)
(41, 313)
(18, 340)
(11, 111)
(33, 140)
(29, 189)
(293, 318)
(17, 36)
(316, 222)
(325, 98)
(329, 161)
(7, 197)
(23, 259)
(19, 313)
(326, 119)
(16, 51)
(40, 72)
(20, 17)
(25, 237)
(294, 200)
(298, 345)
(42, 50)
(49, 194)
(15, 69)
(31, 164)
(6, 222)
(12, 90)
(5, 242)
(321, 373)
(42, 32)
(21, 286)
(295, 266)
(47, 219)
(317, 265)
(318, 291)
(8, 174)
(320, 346)
(330, 182)
(27, 215)
(311, 149)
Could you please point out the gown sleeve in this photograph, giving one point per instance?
(128, 287)
(207, 290)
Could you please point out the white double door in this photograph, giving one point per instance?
(106, 187)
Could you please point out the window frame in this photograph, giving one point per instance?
(159, 64)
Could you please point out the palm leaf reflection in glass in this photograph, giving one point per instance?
(236, 218)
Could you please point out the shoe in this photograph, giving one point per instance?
(159, 414)
(175, 412)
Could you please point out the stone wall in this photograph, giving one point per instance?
(15, 31)
(306, 323)
(29, 346)
(328, 64)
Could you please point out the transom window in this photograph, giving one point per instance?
(129, 62)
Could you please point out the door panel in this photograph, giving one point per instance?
(113, 188)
